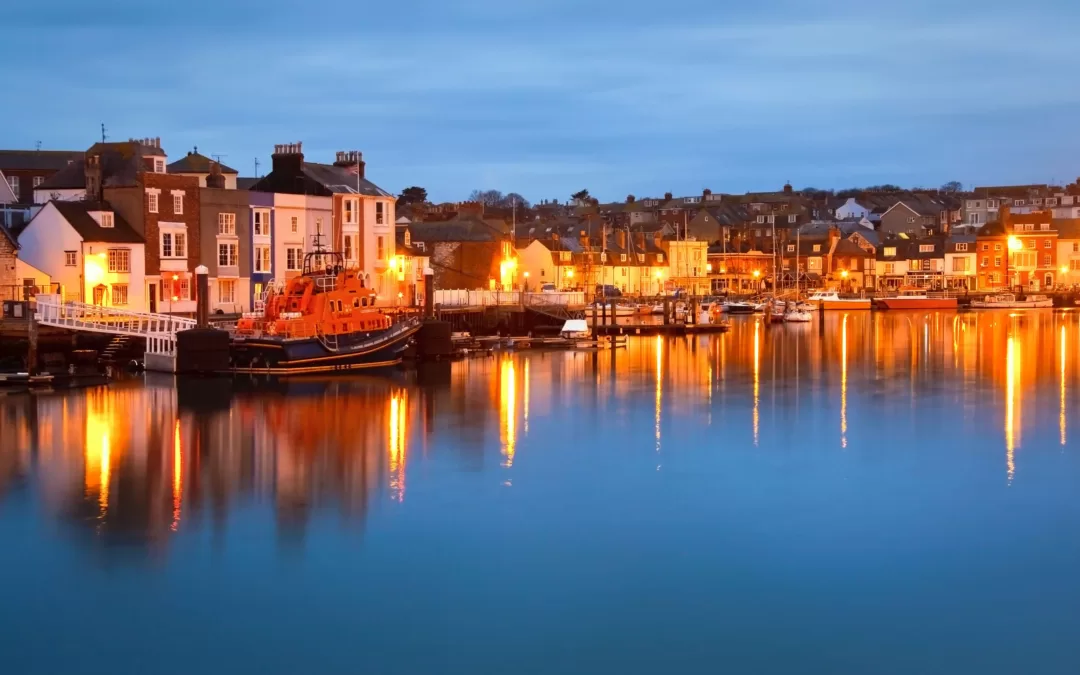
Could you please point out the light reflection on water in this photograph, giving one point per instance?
(680, 502)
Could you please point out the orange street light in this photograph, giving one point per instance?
(1064, 270)
(843, 274)
(757, 273)
(1015, 244)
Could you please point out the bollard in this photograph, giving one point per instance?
(429, 293)
(202, 296)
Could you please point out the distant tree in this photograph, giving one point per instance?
(412, 195)
(952, 186)
(487, 197)
(667, 196)
(630, 199)
(580, 195)
(513, 198)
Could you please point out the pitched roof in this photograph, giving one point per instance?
(77, 214)
(120, 165)
(37, 160)
(70, 177)
(455, 229)
(193, 162)
(1067, 228)
(245, 182)
(849, 248)
(340, 179)
(9, 236)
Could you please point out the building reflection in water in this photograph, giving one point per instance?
(136, 463)
(843, 381)
(508, 409)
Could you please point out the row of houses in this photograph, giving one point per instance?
(119, 225)
(1030, 250)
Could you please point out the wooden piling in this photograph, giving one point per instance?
(32, 342)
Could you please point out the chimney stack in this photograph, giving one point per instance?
(215, 179)
(350, 158)
(788, 189)
(288, 158)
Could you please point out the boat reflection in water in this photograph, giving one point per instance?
(857, 458)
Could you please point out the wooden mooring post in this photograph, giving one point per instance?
(32, 342)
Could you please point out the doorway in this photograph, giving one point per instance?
(99, 294)
(153, 298)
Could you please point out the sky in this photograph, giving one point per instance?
(546, 97)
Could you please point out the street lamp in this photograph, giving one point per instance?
(843, 274)
(1015, 244)
(526, 275)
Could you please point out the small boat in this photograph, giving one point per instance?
(646, 310)
(832, 300)
(915, 298)
(804, 306)
(798, 316)
(323, 320)
(1011, 301)
(777, 312)
(740, 307)
(575, 329)
(619, 310)
(658, 309)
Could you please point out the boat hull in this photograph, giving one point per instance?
(917, 303)
(853, 304)
(1046, 304)
(355, 351)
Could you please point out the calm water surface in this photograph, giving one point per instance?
(897, 494)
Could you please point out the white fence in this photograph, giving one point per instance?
(158, 329)
(462, 298)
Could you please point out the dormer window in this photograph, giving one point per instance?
(159, 165)
(408, 238)
(104, 218)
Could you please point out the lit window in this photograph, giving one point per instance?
(926, 248)
(817, 248)
(227, 254)
(262, 259)
(262, 223)
(226, 224)
(1046, 242)
(960, 248)
(294, 257)
(890, 251)
(120, 294)
(106, 220)
(119, 260)
(227, 291)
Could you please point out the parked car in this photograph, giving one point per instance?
(547, 288)
(608, 291)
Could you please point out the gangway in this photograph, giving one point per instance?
(159, 330)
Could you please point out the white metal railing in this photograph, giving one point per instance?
(464, 298)
(158, 329)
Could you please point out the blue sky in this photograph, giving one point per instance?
(545, 97)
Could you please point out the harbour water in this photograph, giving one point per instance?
(898, 493)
